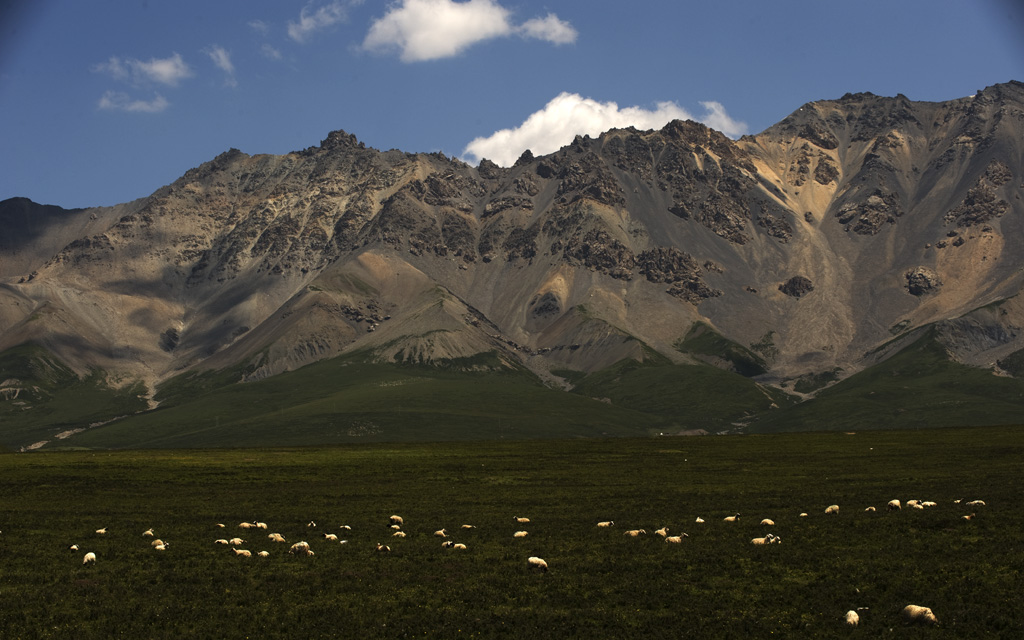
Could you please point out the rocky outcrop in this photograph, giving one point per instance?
(922, 281)
(797, 286)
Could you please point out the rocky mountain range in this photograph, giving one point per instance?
(815, 249)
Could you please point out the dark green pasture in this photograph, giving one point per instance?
(601, 583)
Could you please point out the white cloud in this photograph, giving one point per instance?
(259, 26)
(270, 52)
(569, 115)
(431, 29)
(321, 18)
(549, 28)
(117, 101)
(222, 59)
(169, 71)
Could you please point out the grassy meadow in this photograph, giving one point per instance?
(716, 584)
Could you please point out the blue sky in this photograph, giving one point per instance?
(106, 101)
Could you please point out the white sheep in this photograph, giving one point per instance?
(521, 520)
(447, 544)
(699, 520)
(768, 539)
(101, 532)
(89, 557)
(852, 618)
(976, 503)
(242, 553)
(970, 517)
(221, 541)
(458, 546)
(868, 510)
(148, 533)
(73, 547)
(260, 525)
(520, 534)
(234, 542)
(533, 562)
(468, 526)
(398, 534)
(915, 614)
(330, 537)
(396, 527)
(632, 533)
(912, 503)
(396, 520)
(275, 537)
(161, 547)
(894, 505)
(929, 503)
(676, 539)
(768, 522)
(156, 543)
(220, 525)
(345, 527)
(663, 532)
(383, 548)
(311, 525)
(832, 509)
(441, 533)
(301, 549)
(606, 523)
(264, 554)
(731, 518)
(245, 525)
(918, 505)
(803, 514)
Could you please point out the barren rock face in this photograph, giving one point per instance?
(577, 259)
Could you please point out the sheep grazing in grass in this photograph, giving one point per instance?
(221, 541)
(398, 534)
(156, 543)
(803, 515)
(912, 503)
(275, 537)
(300, 549)
(970, 517)
(264, 554)
(458, 546)
(768, 522)
(539, 564)
(699, 520)
(852, 618)
(148, 533)
(976, 503)
(330, 537)
(868, 510)
(242, 553)
(396, 520)
(929, 503)
(913, 614)
(220, 525)
(345, 527)
(663, 532)
(520, 534)
(260, 525)
(447, 544)
(101, 532)
(441, 533)
(731, 518)
(919, 505)
(383, 548)
(676, 539)
(632, 533)
(234, 542)
(396, 527)
(768, 539)
(521, 520)
(89, 557)
(894, 505)
(832, 509)
(74, 547)
(606, 524)
(160, 547)
(245, 525)
(468, 526)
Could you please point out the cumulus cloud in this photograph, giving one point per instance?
(570, 114)
(169, 71)
(431, 29)
(222, 59)
(311, 20)
(270, 52)
(259, 27)
(118, 101)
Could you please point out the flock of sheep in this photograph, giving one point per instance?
(911, 613)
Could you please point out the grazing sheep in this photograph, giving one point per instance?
(468, 526)
(918, 505)
(929, 503)
(915, 614)
(234, 542)
(606, 523)
(699, 520)
(156, 543)
(970, 517)
(676, 539)
(89, 557)
(220, 525)
(330, 537)
(396, 520)
(958, 501)
(383, 548)
(894, 505)
(260, 525)
(534, 562)
(441, 533)
(852, 618)
(832, 509)
(768, 522)
(803, 515)
(245, 525)
(521, 520)
(976, 503)
(912, 503)
(101, 532)
(160, 547)
(731, 518)
(345, 527)
(632, 533)
(520, 534)
(264, 554)
(311, 525)
(242, 553)
(74, 547)
(447, 544)
(458, 546)
(221, 541)
(768, 539)
(275, 537)
(662, 531)
(398, 534)
(300, 549)
(148, 532)
(868, 510)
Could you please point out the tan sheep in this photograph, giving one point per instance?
(731, 518)
(912, 614)
(894, 505)
(606, 524)
(242, 553)
(852, 618)
(832, 509)
(300, 549)
(768, 522)
(632, 533)
(663, 532)
(676, 539)
(520, 534)
(539, 564)
(275, 537)
(89, 558)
